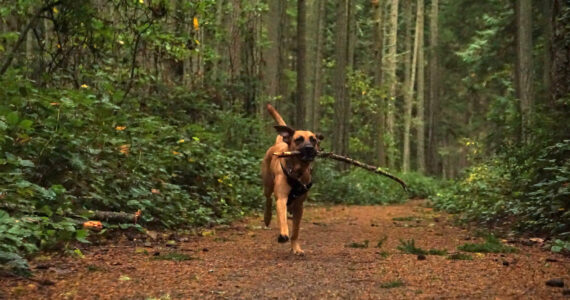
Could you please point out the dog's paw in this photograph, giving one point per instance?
(282, 239)
(298, 252)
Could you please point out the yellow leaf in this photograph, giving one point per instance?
(180, 141)
(175, 152)
(141, 1)
(197, 42)
(196, 24)
(55, 10)
(84, 86)
(124, 149)
(120, 128)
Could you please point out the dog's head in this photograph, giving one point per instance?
(303, 141)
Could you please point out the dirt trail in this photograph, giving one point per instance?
(245, 261)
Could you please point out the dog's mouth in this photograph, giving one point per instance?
(308, 153)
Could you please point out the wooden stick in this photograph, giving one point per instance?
(351, 161)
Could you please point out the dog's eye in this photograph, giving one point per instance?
(299, 140)
(313, 140)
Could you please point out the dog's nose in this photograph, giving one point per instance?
(308, 152)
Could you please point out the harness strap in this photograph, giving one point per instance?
(298, 189)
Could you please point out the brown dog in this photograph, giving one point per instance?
(288, 178)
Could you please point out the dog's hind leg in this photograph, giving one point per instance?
(267, 191)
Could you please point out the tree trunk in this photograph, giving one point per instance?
(409, 78)
(301, 69)
(547, 53)
(339, 81)
(524, 65)
(420, 95)
(317, 64)
(391, 80)
(433, 107)
(560, 89)
(378, 80)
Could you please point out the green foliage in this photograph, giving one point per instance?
(526, 187)
(460, 256)
(560, 246)
(421, 186)
(358, 245)
(491, 245)
(409, 247)
(174, 256)
(381, 241)
(392, 284)
(66, 151)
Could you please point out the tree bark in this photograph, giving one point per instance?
(524, 65)
(433, 107)
(392, 81)
(301, 68)
(339, 81)
(547, 6)
(378, 79)
(560, 89)
(420, 94)
(317, 64)
(409, 78)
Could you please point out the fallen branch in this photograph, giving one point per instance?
(351, 161)
(99, 215)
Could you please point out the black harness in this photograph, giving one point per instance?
(298, 189)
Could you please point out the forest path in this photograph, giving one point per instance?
(244, 260)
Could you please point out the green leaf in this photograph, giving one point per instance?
(12, 118)
(26, 124)
(81, 235)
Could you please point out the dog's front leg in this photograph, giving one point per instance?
(297, 211)
(281, 194)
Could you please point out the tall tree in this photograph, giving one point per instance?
(561, 54)
(391, 79)
(524, 68)
(301, 68)
(409, 77)
(378, 6)
(547, 6)
(433, 106)
(271, 76)
(340, 141)
(317, 86)
(420, 127)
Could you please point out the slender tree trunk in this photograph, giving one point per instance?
(409, 78)
(391, 80)
(339, 81)
(318, 69)
(433, 108)
(524, 65)
(301, 68)
(561, 58)
(547, 6)
(378, 79)
(420, 128)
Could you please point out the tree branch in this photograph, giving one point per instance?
(351, 161)
(10, 56)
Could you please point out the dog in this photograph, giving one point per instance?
(288, 178)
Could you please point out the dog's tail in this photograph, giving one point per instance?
(276, 116)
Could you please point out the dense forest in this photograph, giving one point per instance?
(158, 107)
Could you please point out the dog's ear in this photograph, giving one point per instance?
(320, 136)
(286, 132)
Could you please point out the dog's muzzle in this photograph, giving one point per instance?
(308, 153)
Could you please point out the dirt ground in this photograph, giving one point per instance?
(244, 261)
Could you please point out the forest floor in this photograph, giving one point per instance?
(244, 260)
